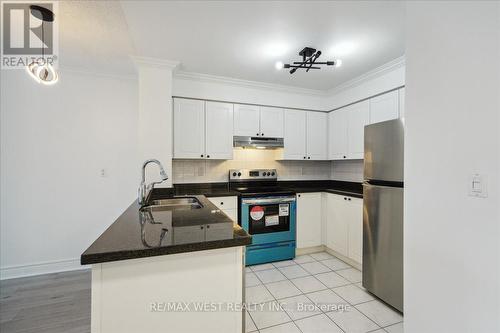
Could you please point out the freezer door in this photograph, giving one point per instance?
(384, 150)
(383, 243)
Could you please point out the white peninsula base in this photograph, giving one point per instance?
(135, 295)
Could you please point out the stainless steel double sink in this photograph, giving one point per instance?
(184, 203)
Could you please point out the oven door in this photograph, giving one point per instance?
(269, 219)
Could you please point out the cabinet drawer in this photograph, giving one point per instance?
(224, 203)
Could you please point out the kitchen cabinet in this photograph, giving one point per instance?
(219, 130)
(294, 135)
(246, 120)
(271, 122)
(254, 120)
(189, 128)
(344, 226)
(305, 135)
(358, 116)
(384, 107)
(316, 135)
(337, 134)
(309, 228)
(203, 130)
(401, 93)
(228, 205)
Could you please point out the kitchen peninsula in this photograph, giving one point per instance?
(152, 262)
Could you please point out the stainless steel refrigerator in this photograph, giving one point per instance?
(383, 189)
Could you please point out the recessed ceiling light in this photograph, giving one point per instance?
(278, 65)
(343, 48)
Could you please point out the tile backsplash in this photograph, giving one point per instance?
(206, 171)
(209, 171)
(350, 170)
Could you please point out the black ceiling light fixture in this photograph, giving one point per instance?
(309, 61)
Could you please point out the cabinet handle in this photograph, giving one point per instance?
(201, 155)
(208, 226)
(345, 198)
(309, 158)
(304, 157)
(208, 156)
(349, 199)
(221, 203)
(201, 227)
(262, 134)
(257, 134)
(344, 157)
(299, 195)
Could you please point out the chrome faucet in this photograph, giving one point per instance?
(144, 188)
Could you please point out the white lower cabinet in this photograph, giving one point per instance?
(228, 205)
(308, 220)
(344, 226)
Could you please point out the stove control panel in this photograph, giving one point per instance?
(252, 174)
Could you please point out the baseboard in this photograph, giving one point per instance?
(351, 262)
(12, 272)
(308, 250)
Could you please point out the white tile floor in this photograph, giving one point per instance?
(314, 293)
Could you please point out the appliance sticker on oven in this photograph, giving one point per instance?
(256, 213)
(284, 210)
(272, 220)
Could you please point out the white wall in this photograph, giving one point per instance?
(54, 142)
(452, 253)
(382, 79)
(241, 91)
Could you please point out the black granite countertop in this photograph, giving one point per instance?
(353, 189)
(156, 231)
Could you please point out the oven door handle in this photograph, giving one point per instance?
(264, 201)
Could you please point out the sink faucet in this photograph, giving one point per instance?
(144, 188)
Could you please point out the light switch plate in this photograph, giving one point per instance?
(478, 186)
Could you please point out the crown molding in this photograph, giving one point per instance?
(155, 62)
(183, 75)
(373, 74)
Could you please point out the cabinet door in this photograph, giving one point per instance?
(401, 102)
(246, 120)
(316, 142)
(219, 130)
(384, 107)
(336, 224)
(358, 117)
(294, 135)
(271, 122)
(189, 128)
(308, 219)
(337, 134)
(355, 221)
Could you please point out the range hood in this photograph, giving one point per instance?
(257, 142)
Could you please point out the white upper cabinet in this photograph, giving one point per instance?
(337, 134)
(189, 128)
(219, 130)
(261, 121)
(246, 120)
(384, 107)
(294, 135)
(316, 135)
(271, 122)
(401, 92)
(358, 117)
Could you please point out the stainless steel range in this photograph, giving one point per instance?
(267, 212)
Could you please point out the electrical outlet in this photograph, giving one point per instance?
(477, 186)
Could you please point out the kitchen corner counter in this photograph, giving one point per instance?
(138, 234)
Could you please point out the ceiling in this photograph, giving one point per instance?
(237, 39)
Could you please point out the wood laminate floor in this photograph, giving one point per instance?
(54, 303)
